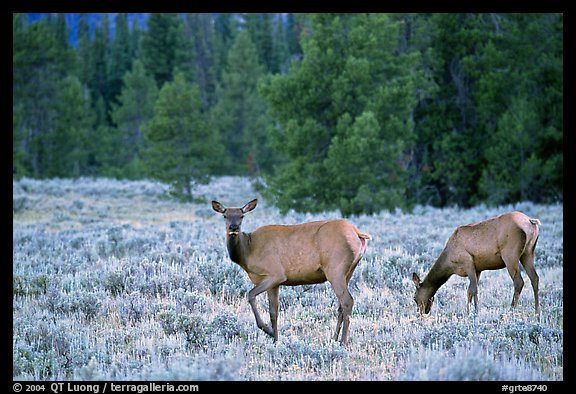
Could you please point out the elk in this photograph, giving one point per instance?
(292, 255)
(495, 243)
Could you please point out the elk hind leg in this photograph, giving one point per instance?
(338, 323)
(512, 264)
(346, 302)
(527, 260)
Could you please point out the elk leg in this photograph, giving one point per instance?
(527, 260)
(340, 316)
(473, 287)
(261, 287)
(472, 293)
(345, 309)
(514, 272)
(273, 296)
(338, 323)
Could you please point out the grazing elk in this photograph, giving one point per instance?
(492, 244)
(292, 255)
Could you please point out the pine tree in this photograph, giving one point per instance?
(20, 164)
(485, 65)
(36, 73)
(67, 56)
(200, 32)
(240, 114)
(351, 76)
(358, 182)
(280, 55)
(163, 48)
(259, 27)
(510, 176)
(84, 51)
(453, 132)
(135, 36)
(225, 29)
(294, 27)
(134, 109)
(70, 143)
(98, 82)
(120, 58)
(182, 148)
(520, 103)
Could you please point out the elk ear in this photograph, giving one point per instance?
(218, 207)
(416, 279)
(250, 206)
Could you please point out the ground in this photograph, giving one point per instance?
(112, 280)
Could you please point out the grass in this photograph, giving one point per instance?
(113, 281)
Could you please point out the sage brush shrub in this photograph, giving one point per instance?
(468, 364)
(126, 284)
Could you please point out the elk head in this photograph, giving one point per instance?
(421, 296)
(234, 216)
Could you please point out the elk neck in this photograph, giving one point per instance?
(438, 275)
(238, 246)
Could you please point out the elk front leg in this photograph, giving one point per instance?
(472, 289)
(273, 296)
(261, 287)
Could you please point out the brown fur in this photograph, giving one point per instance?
(292, 255)
(499, 242)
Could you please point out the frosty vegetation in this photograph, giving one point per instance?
(112, 280)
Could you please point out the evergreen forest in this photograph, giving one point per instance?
(352, 112)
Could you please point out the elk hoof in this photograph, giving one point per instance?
(268, 330)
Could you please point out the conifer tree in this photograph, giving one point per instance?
(37, 72)
(182, 148)
(84, 51)
(240, 114)
(225, 29)
(98, 82)
(361, 112)
(351, 76)
(134, 109)
(120, 57)
(280, 55)
(163, 48)
(71, 144)
(203, 55)
(259, 26)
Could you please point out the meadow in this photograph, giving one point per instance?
(112, 280)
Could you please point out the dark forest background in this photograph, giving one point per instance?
(357, 112)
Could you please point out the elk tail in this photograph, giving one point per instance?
(364, 235)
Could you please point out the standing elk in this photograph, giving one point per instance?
(292, 255)
(492, 244)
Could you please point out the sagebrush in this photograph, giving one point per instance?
(113, 280)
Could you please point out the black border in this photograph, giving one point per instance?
(312, 6)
